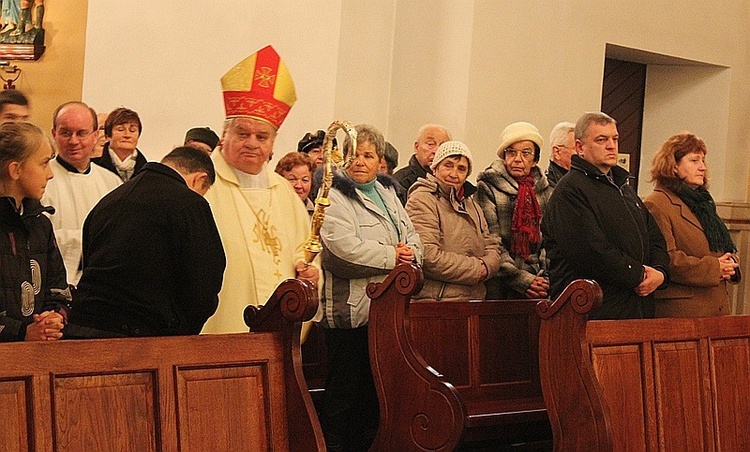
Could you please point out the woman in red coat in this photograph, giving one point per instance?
(701, 251)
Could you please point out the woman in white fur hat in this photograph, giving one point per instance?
(513, 193)
(459, 251)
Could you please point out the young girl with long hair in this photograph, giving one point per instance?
(33, 288)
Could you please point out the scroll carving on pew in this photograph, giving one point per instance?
(574, 400)
(437, 420)
(191, 393)
(297, 300)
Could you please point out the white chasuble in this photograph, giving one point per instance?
(263, 231)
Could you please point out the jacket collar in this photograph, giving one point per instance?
(31, 208)
(164, 170)
(70, 168)
(346, 186)
(417, 168)
(676, 201)
(619, 175)
(553, 166)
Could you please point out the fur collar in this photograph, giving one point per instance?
(345, 185)
(497, 176)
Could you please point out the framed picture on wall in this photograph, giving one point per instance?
(21, 31)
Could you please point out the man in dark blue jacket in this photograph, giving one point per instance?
(597, 228)
(153, 261)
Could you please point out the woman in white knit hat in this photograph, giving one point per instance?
(459, 251)
(513, 193)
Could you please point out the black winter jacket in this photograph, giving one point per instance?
(409, 174)
(32, 273)
(600, 230)
(153, 261)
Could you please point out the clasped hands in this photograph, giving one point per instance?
(404, 254)
(46, 326)
(727, 265)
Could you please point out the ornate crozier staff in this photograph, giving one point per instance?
(332, 158)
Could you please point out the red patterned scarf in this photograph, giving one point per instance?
(526, 219)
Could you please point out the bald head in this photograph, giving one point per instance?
(429, 138)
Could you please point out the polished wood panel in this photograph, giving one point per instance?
(14, 433)
(623, 362)
(89, 408)
(213, 392)
(668, 384)
(731, 363)
(209, 397)
(428, 334)
(488, 350)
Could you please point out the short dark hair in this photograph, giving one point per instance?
(119, 116)
(391, 157)
(12, 97)
(56, 113)
(203, 135)
(188, 160)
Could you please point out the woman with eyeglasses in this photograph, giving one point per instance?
(513, 193)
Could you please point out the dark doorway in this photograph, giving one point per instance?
(623, 92)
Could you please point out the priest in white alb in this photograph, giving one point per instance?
(78, 184)
(262, 222)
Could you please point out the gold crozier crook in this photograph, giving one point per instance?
(332, 158)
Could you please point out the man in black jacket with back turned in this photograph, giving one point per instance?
(596, 227)
(152, 255)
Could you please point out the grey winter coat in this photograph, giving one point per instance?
(497, 193)
(359, 248)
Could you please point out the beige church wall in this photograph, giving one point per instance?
(696, 99)
(57, 76)
(543, 62)
(475, 66)
(364, 63)
(165, 61)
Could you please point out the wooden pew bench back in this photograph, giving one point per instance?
(488, 351)
(452, 372)
(643, 385)
(675, 384)
(190, 393)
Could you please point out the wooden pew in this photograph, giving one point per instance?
(654, 384)
(190, 393)
(448, 373)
